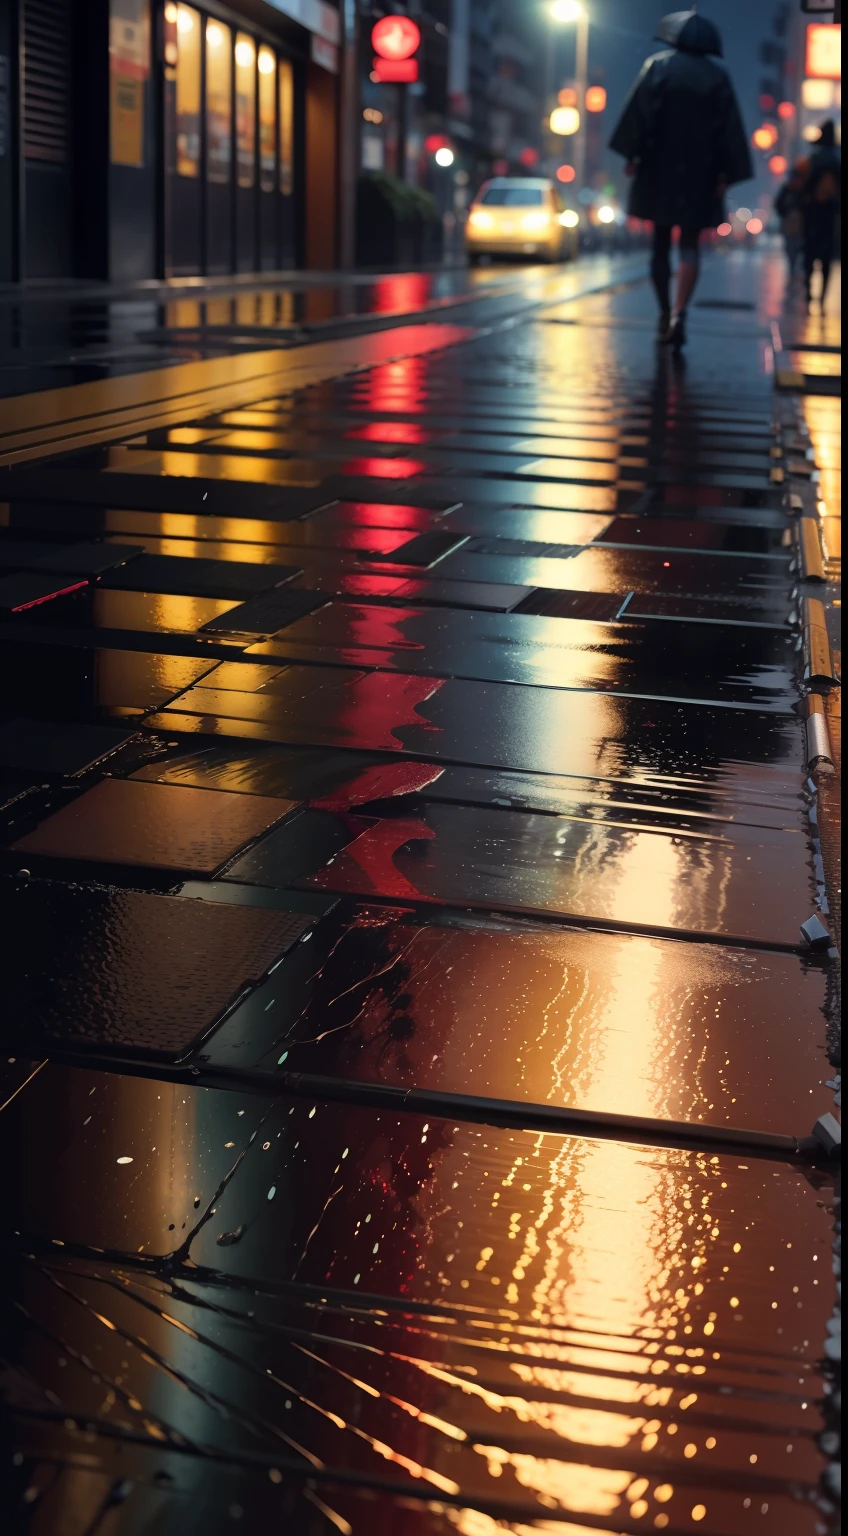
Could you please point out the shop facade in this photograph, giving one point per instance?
(144, 139)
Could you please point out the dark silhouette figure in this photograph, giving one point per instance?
(789, 207)
(822, 195)
(682, 136)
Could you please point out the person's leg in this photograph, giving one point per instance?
(826, 249)
(661, 267)
(825, 272)
(688, 269)
(810, 257)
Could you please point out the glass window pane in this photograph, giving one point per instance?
(219, 64)
(267, 119)
(245, 109)
(286, 128)
(188, 91)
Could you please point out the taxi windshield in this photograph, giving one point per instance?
(513, 197)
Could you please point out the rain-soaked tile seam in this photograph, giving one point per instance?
(800, 1150)
(500, 1331)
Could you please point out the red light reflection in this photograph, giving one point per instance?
(401, 292)
(384, 469)
(377, 514)
(390, 432)
(397, 386)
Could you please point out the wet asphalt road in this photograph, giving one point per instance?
(404, 745)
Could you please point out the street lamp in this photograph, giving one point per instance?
(574, 13)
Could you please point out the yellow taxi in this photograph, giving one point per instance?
(520, 216)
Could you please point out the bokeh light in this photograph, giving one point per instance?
(765, 137)
(778, 165)
(565, 121)
(754, 226)
(566, 173)
(725, 229)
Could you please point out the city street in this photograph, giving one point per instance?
(419, 769)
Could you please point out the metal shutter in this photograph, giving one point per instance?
(47, 63)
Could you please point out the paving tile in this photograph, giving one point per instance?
(45, 746)
(750, 887)
(23, 592)
(200, 578)
(744, 665)
(605, 1021)
(554, 731)
(153, 826)
(292, 852)
(543, 1363)
(129, 970)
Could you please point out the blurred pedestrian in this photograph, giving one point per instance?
(789, 207)
(822, 195)
(682, 136)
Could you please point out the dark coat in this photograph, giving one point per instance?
(682, 127)
(821, 198)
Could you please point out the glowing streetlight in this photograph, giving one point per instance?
(444, 156)
(567, 11)
(573, 13)
(606, 215)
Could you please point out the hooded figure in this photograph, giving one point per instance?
(682, 135)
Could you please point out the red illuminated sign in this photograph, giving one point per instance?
(395, 71)
(395, 37)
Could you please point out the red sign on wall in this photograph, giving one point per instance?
(395, 71)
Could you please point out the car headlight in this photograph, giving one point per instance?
(479, 219)
(570, 219)
(536, 221)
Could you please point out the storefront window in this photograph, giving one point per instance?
(188, 91)
(245, 110)
(267, 119)
(219, 50)
(286, 94)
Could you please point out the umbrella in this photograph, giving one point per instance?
(688, 30)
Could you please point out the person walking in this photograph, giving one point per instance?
(789, 207)
(682, 136)
(821, 197)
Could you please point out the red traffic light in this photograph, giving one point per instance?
(529, 156)
(395, 37)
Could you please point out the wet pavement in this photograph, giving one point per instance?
(412, 795)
